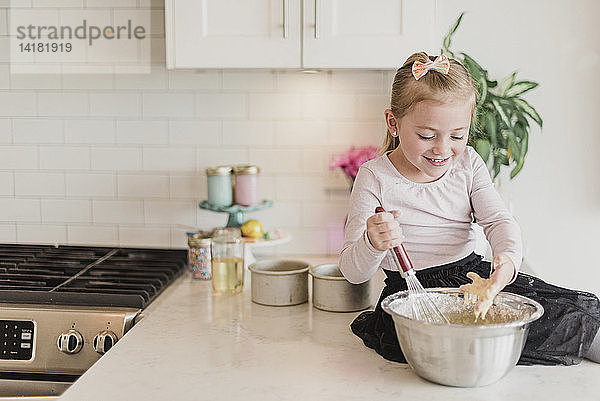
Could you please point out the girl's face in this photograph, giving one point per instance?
(432, 136)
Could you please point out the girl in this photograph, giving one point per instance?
(435, 187)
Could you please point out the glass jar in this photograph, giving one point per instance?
(218, 183)
(227, 251)
(246, 185)
(199, 256)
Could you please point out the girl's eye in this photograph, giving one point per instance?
(425, 137)
(458, 138)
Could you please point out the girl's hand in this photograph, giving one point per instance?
(482, 291)
(384, 231)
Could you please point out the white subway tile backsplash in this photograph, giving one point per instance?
(248, 80)
(90, 131)
(42, 233)
(116, 158)
(8, 233)
(301, 187)
(73, 78)
(191, 186)
(147, 236)
(118, 211)
(61, 104)
(168, 105)
(170, 212)
(297, 81)
(18, 157)
(142, 132)
(169, 159)
(277, 161)
(221, 105)
(111, 3)
(15, 104)
(210, 157)
(64, 157)
(66, 211)
(115, 104)
(39, 184)
(5, 131)
(37, 130)
(142, 186)
(19, 210)
(193, 132)
(305, 241)
(281, 214)
(35, 81)
(6, 183)
(276, 106)
(191, 80)
(324, 214)
(327, 106)
(343, 135)
(4, 76)
(316, 160)
(248, 133)
(363, 81)
(300, 133)
(154, 81)
(104, 235)
(90, 185)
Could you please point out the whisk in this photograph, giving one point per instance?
(422, 305)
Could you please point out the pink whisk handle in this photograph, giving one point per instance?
(399, 252)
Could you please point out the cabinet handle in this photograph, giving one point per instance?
(317, 24)
(286, 15)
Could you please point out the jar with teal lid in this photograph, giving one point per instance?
(218, 181)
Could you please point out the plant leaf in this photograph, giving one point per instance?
(482, 146)
(502, 114)
(519, 166)
(520, 88)
(527, 109)
(490, 128)
(483, 91)
(506, 83)
(514, 147)
(448, 38)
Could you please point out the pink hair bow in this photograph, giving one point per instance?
(440, 64)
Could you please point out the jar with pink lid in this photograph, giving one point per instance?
(246, 185)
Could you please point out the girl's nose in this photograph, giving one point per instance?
(441, 147)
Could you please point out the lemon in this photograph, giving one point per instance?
(252, 229)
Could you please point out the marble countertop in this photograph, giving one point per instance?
(191, 345)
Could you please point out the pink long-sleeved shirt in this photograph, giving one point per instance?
(436, 217)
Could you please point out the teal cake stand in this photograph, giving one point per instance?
(236, 212)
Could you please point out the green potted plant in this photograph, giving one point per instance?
(500, 127)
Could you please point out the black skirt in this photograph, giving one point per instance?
(562, 335)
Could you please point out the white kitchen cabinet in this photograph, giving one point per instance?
(378, 34)
(233, 33)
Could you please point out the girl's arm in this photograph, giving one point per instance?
(359, 259)
(499, 226)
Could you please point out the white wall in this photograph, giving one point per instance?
(556, 197)
(120, 159)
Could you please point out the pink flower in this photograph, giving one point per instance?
(351, 161)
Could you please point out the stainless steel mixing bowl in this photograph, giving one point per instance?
(463, 355)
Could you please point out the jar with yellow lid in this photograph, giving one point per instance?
(246, 185)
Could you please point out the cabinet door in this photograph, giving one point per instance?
(367, 34)
(233, 33)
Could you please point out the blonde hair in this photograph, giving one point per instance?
(407, 91)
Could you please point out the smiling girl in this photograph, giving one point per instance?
(436, 188)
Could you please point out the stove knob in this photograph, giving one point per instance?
(70, 342)
(104, 341)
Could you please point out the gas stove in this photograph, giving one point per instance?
(63, 307)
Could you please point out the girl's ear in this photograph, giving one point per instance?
(391, 122)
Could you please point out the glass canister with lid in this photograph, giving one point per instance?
(218, 182)
(227, 250)
(246, 185)
(199, 256)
